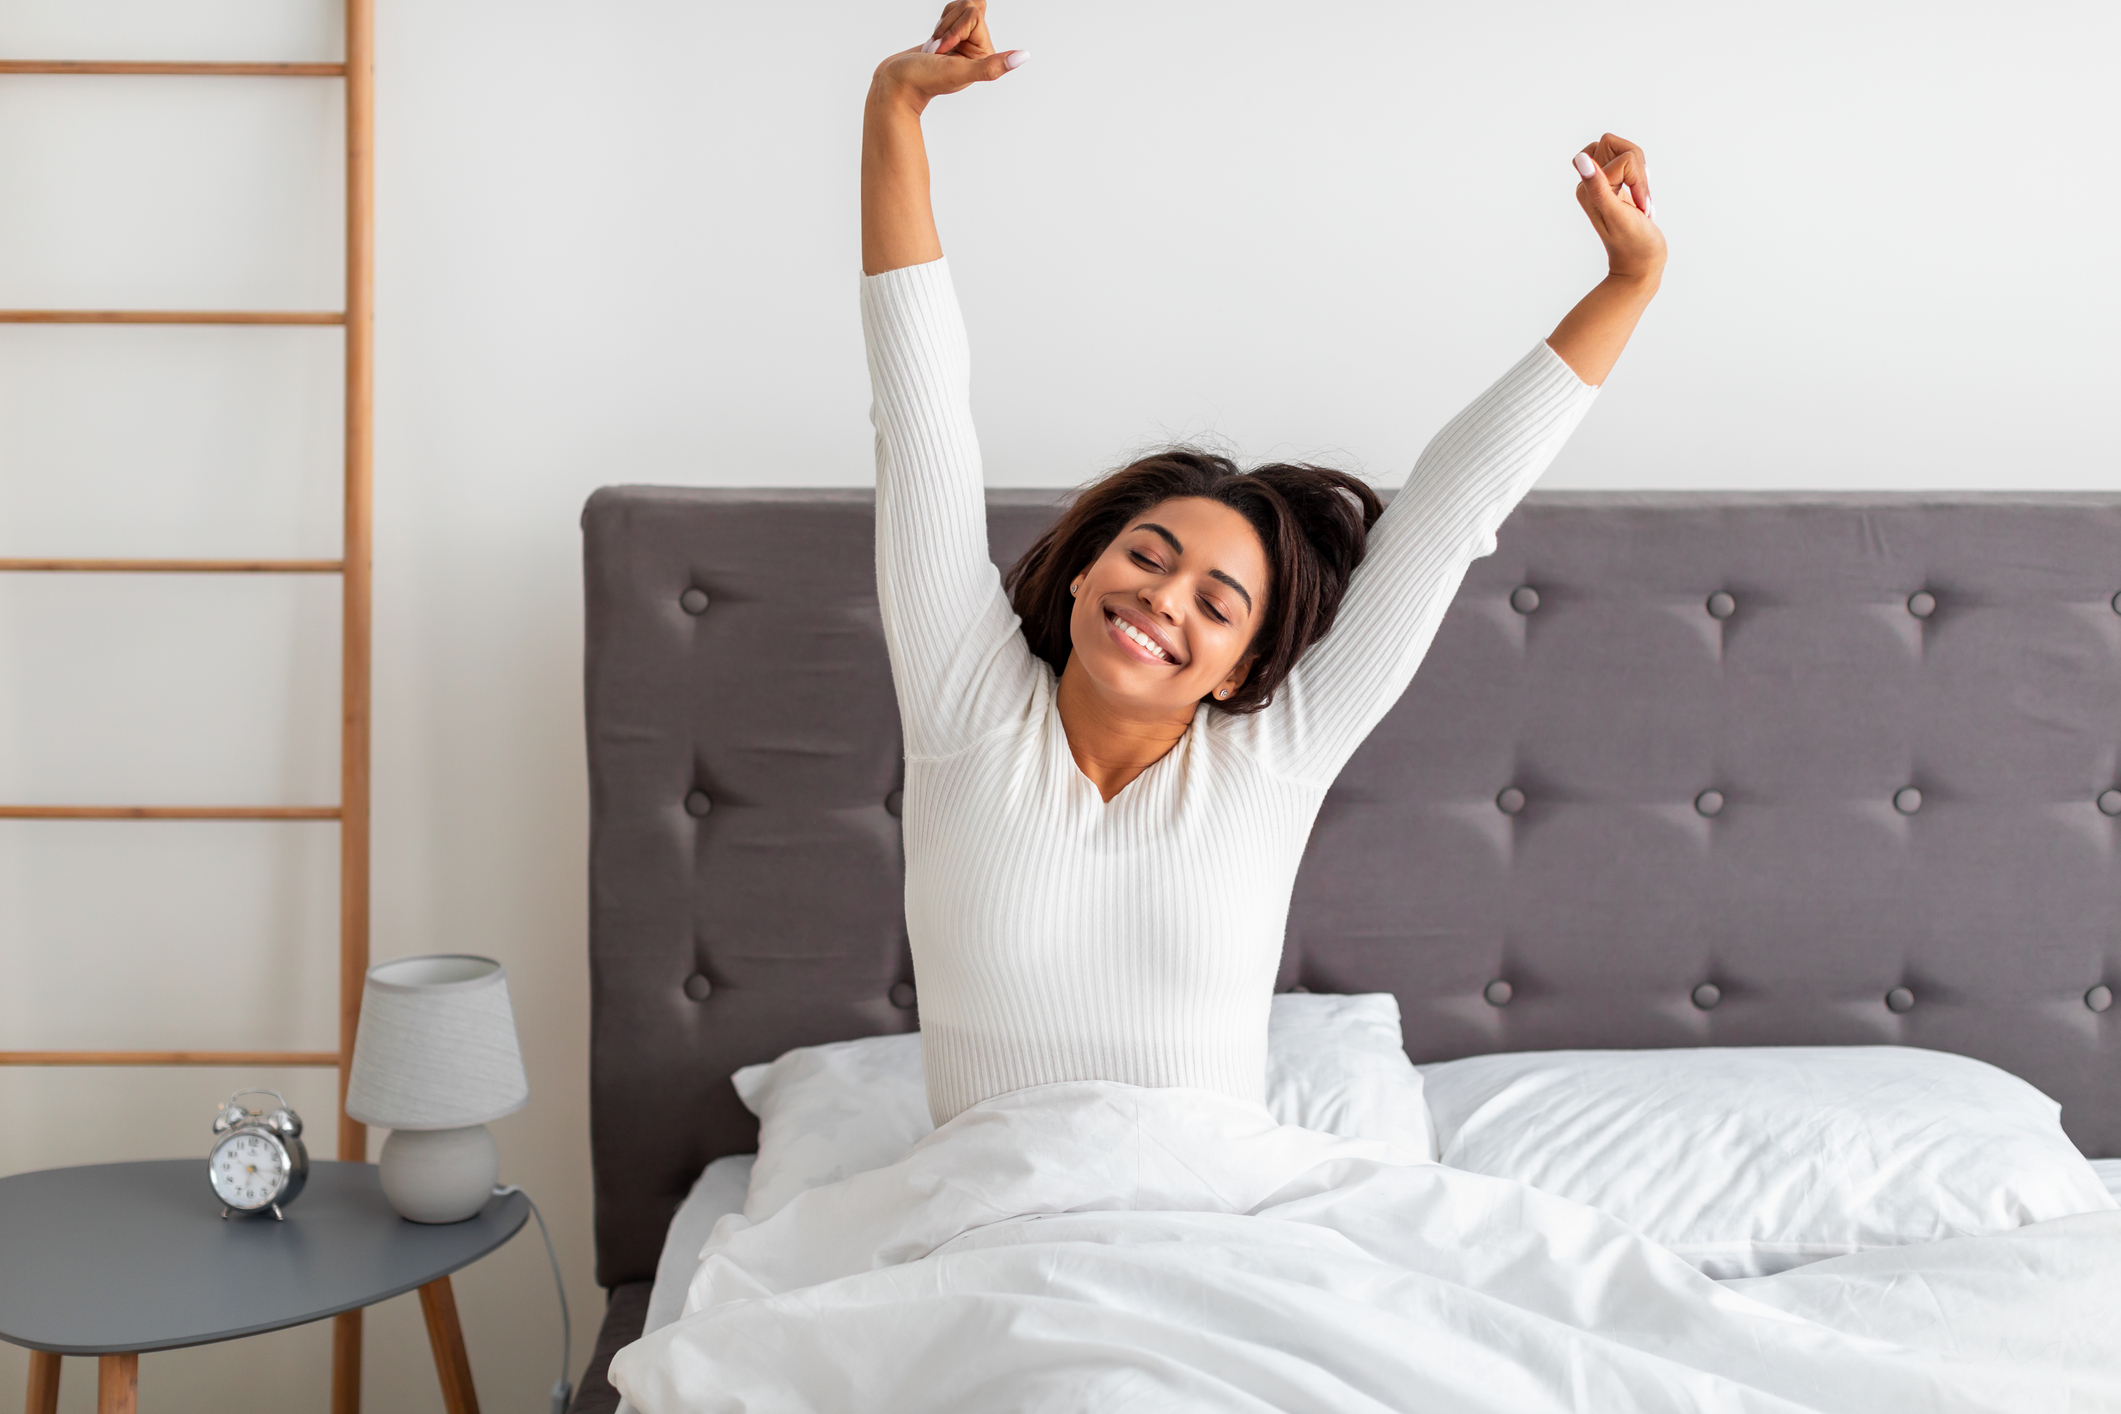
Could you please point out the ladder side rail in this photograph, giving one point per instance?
(355, 565)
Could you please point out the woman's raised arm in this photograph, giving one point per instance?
(1468, 479)
(898, 225)
(957, 662)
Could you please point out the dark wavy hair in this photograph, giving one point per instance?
(1313, 522)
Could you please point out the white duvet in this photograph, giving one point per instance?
(1094, 1246)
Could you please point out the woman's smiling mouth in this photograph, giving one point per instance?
(1137, 640)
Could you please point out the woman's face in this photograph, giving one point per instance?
(1163, 617)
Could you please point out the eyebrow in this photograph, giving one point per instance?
(1212, 574)
(1226, 579)
(1152, 525)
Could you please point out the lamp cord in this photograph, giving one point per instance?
(562, 1389)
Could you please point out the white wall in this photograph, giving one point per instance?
(618, 244)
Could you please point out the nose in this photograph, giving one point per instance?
(1162, 599)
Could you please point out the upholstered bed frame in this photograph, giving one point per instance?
(1680, 770)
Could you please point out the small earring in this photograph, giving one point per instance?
(1075, 588)
(1222, 692)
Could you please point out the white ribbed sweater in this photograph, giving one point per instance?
(1060, 937)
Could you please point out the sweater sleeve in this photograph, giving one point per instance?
(959, 665)
(1469, 478)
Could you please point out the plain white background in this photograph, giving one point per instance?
(618, 243)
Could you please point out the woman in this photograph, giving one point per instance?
(1113, 760)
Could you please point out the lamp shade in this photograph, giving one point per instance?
(436, 1048)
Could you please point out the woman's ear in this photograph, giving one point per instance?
(1228, 687)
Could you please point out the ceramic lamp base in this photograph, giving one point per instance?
(439, 1175)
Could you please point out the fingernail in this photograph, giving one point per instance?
(1653, 211)
(1585, 167)
(931, 46)
(1016, 57)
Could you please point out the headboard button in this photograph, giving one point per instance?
(1722, 605)
(1498, 992)
(1524, 599)
(1707, 995)
(2100, 997)
(2110, 801)
(1922, 603)
(1510, 800)
(698, 987)
(2116, 602)
(1907, 800)
(1709, 802)
(903, 996)
(697, 804)
(1900, 999)
(895, 802)
(693, 601)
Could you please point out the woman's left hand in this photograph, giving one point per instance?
(1634, 246)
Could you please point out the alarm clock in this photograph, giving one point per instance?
(257, 1164)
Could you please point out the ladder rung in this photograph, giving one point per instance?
(169, 812)
(169, 316)
(174, 566)
(330, 1058)
(104, 66)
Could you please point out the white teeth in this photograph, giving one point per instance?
(1139, 637)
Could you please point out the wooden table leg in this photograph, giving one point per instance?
(117, 1384)
(346, 1363)
(439, 1304)
(43, 1383)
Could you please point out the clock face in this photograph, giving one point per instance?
(249, 1170)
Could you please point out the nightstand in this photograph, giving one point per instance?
(114, 1260)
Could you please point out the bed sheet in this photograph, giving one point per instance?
(718, 1190)
(1082, 1236)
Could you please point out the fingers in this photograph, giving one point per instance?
(1639, 173)
(961, 34)
(1612, 146)
(1626, 170)
(935, 74)
(1592, 193)
(995, 65)
(1620, 163)
(1593, 186)
(1596, 195)
(961, 20)
(1634, 245)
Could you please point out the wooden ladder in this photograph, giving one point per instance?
(353, 567)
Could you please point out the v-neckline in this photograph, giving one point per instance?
(1082, 777)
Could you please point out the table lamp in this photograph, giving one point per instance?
(434, 1060)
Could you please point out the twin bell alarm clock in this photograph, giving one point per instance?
(257, 1164)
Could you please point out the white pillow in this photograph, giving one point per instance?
(829, 1112)
(1751, 1160)
(1338, 1064)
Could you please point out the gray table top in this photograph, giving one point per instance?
(128, 1257)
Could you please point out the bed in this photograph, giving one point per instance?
(1679, 771)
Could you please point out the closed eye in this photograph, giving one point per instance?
(1215, 613)
(1144, 561)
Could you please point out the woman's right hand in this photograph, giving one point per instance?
(898, 226)
(1634, 246)
(961, 53)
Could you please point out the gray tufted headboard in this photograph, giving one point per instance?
(1679, 770)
